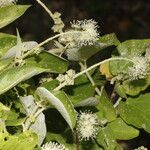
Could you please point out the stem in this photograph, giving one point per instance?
(91, 79)
(99, 63)
(90, 68)
(117, 102)
(60, 86)
(46, 41)
(46, 9)
(35, 115)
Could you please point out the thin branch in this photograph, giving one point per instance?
(91, 79)
(117, 102)
(99, 63)
(46, 8)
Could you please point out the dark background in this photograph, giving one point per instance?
(129, 19)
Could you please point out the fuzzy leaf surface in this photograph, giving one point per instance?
(61, 102)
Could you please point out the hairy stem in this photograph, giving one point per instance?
(46, 41)
(28, 123)
(91, 79)
(117, 102)
(92, 67)
(46, 9)
(99, 63)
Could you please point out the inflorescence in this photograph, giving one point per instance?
(82, 33)
(87, 125)
(140, 68)
(53, 146)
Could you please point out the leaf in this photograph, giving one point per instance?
(89, 145)
(19, 47)
(24, 141)
(10, 13)
(103, 42)
(61, 102)
(86, 52)
(119, 66)
(38, 126)
(4, 64)
(105, 70)
(81, 84)
(6, 42)
(106, 109)
(122, 131)
(91, 101)
(120, 90)
(107, 140)
(133, 47)
(50, 85)
(136, 112)
(50, 62)
(44, 62)
(135, 87)
(4, 111)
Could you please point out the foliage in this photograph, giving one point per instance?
(57, 99)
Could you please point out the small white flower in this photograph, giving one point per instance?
(141, 148)
(87, 125)
(89, 33)
(139, 69)
(68, 78)
(82, 33)
(7, 2)
(53, 146)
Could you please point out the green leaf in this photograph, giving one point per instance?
(90, 145)
(61, 102)
(119, 66)
(6, 42)
(133, 47)
(109, 40)
(44, 62)
(136, 112)
(38, 126)
(4, 111)
(86, 52)
(50, 85)
(106, 109)
(81, 84)
(103, 42)
(107, 140)
(122, 131)
(10, 13)
(133, 88)
(120, 90)
(25, 141)
(50, 62)
(4, 64)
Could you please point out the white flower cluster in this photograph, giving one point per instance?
(82, 33)
(141, 148)
(87, 125)
(67, 79)
(53, 146)
(58, 23)
(140, 68)
(7, 2)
